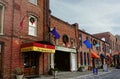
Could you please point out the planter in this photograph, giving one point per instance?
(19, 73)
(82, 68)
(19, 76)
(54, 73)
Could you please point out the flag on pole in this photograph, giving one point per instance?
(22, 21)
(87, 43)
(97, 45)
(55, 33)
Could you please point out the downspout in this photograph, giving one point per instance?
(45, 24)
(48, 26)
(44, 30)
(46, 35)
(12, 38)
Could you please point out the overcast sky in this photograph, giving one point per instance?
(94, 16)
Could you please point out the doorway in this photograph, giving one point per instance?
(62, 60)
(31, 63)
(1, 60)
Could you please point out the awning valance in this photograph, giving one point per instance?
(38, 47)
(65, 49)
(102, 55)
(94, 55)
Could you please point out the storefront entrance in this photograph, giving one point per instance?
(62, 60)
(31, 63)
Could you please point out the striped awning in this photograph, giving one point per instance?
(94, 55)
(102, 55)
(108, 55)
(38, 47)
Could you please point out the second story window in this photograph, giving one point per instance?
(1, 18)
(80, 39)
(32, 26)
(33, 1)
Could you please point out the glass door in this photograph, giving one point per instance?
(31, 60)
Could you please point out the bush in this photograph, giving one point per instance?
(18, 71)
(50, 72)
(81, 68)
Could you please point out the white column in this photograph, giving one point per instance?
(52, 60)
(73, 61)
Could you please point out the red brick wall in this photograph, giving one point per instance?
(12, 28)
(64, 28)
(110, 39)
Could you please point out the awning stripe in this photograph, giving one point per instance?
(102, 55)
(108, 55)
(37, 47)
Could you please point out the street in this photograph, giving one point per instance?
(114, 74)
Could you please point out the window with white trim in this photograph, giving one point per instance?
(1, 18)
(33, 1)
(32, 26)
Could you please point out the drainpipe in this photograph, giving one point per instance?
(46, 25)
(12, 39)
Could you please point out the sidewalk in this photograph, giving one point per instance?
(68, 75)
(71, 75)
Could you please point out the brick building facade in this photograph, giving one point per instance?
(65, 57)
(24, 22)
(28, 41)
(114, 45)
(95, 55)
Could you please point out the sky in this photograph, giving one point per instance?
(93, 16)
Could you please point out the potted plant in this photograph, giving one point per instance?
(81, 68)
(19, 73)
(90, 68)
(53, 71)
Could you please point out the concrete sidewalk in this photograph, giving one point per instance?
(71, 75)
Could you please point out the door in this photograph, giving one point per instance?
(31, 66)
(62, 60)
(1, 68)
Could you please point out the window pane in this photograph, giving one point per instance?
(32, 31)
(84, 58)
(33, 1)
(32, 26)
(1, 15)
(81, 58)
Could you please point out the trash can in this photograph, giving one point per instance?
(95, 71)
(105, 68)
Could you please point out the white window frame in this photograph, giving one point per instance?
(33, 1)
(32, 29)
(2, 19)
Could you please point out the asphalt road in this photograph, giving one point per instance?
(114, 74)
